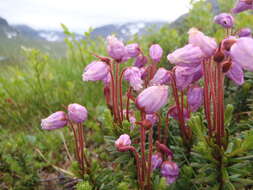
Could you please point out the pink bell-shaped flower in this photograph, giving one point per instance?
(156, 160)
(123, 141)
(187, 56)
(170, 171)
(54, 121)
(133, 50)
(77, 113)
(116, 48)
(245, 32)
(226, 20)
(97, 70)
(241, 53)
(235, 73)
(133, 75)
(195, 98)
(156, 52)
(187, 75)
(161, 77)
(140, 61)
(152, 99)
(207, 44)
(242, 5)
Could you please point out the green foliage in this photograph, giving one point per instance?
(20, 164)
(83, 186)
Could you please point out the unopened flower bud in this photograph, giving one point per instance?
(170, 171)
(116, 48)
(97, 70)
(156, 52)
(245, 32)
(54, 121)
(77, 113)
(195, 97)
(123, 141)
(144, 72)
(236, 74)
(241, 53)
(242, 5)
(133, 75)
(161, 77)
(152, 99)
(187, 75)
(224, 19)
(207, 44)
(187, 56)
(140, 61)
(156, 160)
(133, 50)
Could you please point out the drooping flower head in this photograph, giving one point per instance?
(245, 32)
(140, 61)
(156, 52)
(161, 77)
(207, 44)
(170, 171)
(144, 72)
(77, 113)
(241, 53)
(116, 48)
(226, 20)
(97, 70)
(195, 98)
(174, 113)
(152, 99)
(235, 73)
(156, 160)
(122, 141)
(54, 121)
(133, 50)
(187, 56)
(242, 5)
(187, 75)
(133, 75)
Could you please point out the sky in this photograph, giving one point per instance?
(79, 15)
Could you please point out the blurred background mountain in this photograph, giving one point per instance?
(13, 37)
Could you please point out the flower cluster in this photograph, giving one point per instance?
(77, 114)
(195, 81)
(169, 169)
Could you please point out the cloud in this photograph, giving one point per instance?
(79, 15)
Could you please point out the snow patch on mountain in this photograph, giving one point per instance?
(50, 36)
(135, 28)
(11, 35)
